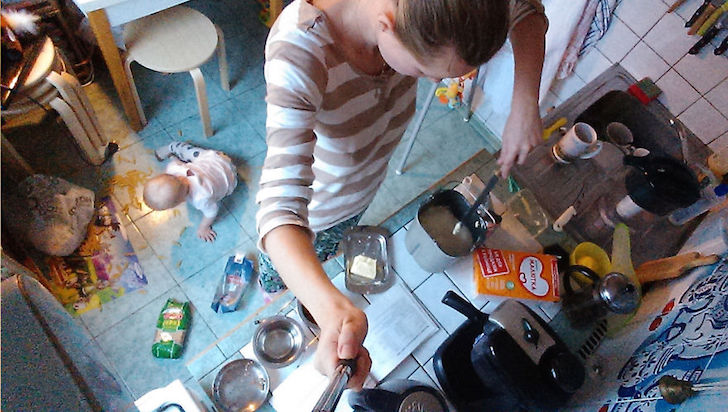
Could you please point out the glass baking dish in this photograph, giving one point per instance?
(366, 260)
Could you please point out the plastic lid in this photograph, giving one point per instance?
(721, 190)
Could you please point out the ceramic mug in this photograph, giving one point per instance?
(580, 142)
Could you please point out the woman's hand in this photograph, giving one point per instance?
(343, 329)
(522, 132)
(523, 128)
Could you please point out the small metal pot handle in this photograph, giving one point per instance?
(578, 269)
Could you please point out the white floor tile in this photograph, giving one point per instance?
(718, 97)
(408, 366)
(704, 70)
(591, 65)
(430, 370)
(430, 294)
(704, 120)
(421, 376)
(617, 42)
(677, 94)
(644, 62)
(461, 274)
(567, 87)
(719, 143)
(403, 263)
(669, 38)
(427, 349)
(687, 9)
(640, 15)
(549, 102)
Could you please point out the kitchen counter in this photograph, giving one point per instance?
(594, 186)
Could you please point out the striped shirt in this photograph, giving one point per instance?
(331, 129)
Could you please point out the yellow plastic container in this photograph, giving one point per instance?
(592, 256)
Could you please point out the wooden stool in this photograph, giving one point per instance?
(49, 83)
(176, 40)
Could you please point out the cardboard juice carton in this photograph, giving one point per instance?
(516, 274)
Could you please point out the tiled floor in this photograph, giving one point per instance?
(176, 263)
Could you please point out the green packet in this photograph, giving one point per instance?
(172, 324)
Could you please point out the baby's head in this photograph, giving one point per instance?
(448, 38)
(165, 191)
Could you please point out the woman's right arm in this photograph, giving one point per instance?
(295, 80)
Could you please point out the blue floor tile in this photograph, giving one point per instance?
(128, 345)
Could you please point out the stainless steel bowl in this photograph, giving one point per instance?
(241, 385)
(278, 341)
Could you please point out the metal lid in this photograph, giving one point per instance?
(619, 293)
(421, 401)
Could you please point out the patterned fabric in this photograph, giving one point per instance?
(326, 246)
(600, 24)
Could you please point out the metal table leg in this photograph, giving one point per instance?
(418, 123)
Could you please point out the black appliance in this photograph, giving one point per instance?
(509, 360)
(399, 395)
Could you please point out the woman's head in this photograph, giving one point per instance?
(445, 36)
(165, 191)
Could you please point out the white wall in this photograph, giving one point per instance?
(647, 41)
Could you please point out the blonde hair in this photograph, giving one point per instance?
(476, 29)
(164, 192)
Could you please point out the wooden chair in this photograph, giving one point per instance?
(176, 40)
(51, 83)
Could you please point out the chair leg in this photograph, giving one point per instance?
(101, 140)
(416, 128)
(201, 93)
(222, 60)
(134, 93)
(74, 125)
(70, 92)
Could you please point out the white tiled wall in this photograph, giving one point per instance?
(648, 41)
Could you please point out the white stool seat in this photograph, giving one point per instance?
(171, 41)
(176, 40)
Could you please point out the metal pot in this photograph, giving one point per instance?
(430, 239)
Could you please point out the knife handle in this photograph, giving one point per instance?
(722, 47)
(703, 17)
(704, 40)
(710, 21)
(675, 5)
(697, 13)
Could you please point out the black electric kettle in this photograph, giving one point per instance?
(519, 358)
(661, 184)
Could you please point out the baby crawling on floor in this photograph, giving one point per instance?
(201, 176)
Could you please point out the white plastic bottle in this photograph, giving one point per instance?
(710, 198)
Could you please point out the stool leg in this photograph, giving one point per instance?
(70, 91)
(199, 82)
(134, 93)
(74, 125)
(101, 140)
(222, 60)
(416, 128)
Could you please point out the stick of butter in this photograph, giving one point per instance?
(364, 266)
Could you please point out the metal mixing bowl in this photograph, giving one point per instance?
(278, 341)
(241, 385)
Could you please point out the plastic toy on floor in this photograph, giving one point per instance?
(452, 95)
